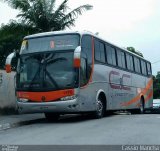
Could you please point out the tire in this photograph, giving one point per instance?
(141, 109)
(52, 116)
(100, 109)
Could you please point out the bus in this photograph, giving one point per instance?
(78, 72)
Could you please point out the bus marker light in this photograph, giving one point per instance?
(77, 63)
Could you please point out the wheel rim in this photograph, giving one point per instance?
(99, 107)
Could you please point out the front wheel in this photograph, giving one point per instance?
(52, 116)
(100, 109)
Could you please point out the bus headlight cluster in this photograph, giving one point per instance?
(68, 98)
(23, 100)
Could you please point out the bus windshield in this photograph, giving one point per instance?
(46, 71)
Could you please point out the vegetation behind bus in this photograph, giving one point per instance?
(156, 86)
(132, 49)
(34, 17)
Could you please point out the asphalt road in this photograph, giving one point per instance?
(121, 129)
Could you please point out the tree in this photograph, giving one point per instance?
(132, 49)
(42, 14)
(35, 16)
(11, 37)
(156, 86)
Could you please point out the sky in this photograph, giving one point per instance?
(125, 23)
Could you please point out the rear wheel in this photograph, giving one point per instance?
(141, 109)
(100, 109)
(52, 116)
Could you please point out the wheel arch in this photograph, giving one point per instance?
(102, 95)
(142, 99)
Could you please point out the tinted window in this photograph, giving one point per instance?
(121, 59)
(137, 65)
(111, 55)
(129, 59)
(149, 70)
(143, 66)
(99, 51)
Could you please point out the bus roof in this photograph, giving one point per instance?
(78, 32)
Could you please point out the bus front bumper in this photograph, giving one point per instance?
(69, 106)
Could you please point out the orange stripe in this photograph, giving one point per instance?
(148, 86)
(132, 101)
(45, 96)
(147, 99)
(138, 105)
(150, 95)
(137, 98)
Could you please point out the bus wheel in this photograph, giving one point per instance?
(52, 116)
(141, 109)
(100, 109)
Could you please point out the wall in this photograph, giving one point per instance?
(7, 90)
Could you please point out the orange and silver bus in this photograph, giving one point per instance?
(78, 72)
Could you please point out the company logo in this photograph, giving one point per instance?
(115, 76)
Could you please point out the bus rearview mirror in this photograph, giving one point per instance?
(8, 62)
(77, 57)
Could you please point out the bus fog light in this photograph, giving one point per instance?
(68, 98)
(23, 100)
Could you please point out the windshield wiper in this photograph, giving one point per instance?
(52, 80)
(55, 60)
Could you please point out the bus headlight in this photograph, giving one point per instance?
(68, 98)
(23, 100)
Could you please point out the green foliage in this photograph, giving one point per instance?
(11, 36)
(132, 49)
(42, 14)
(35, 16)
(156, 86)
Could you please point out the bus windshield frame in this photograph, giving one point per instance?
(43, 64)
(50, 43)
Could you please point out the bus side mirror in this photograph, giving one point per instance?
(77, 57)
(8, 62)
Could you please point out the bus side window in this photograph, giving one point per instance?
(149, 71)
(143, 65)
(129, 59)
(121, 59)
(111, 55)
(137, 65)
(99, 51)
